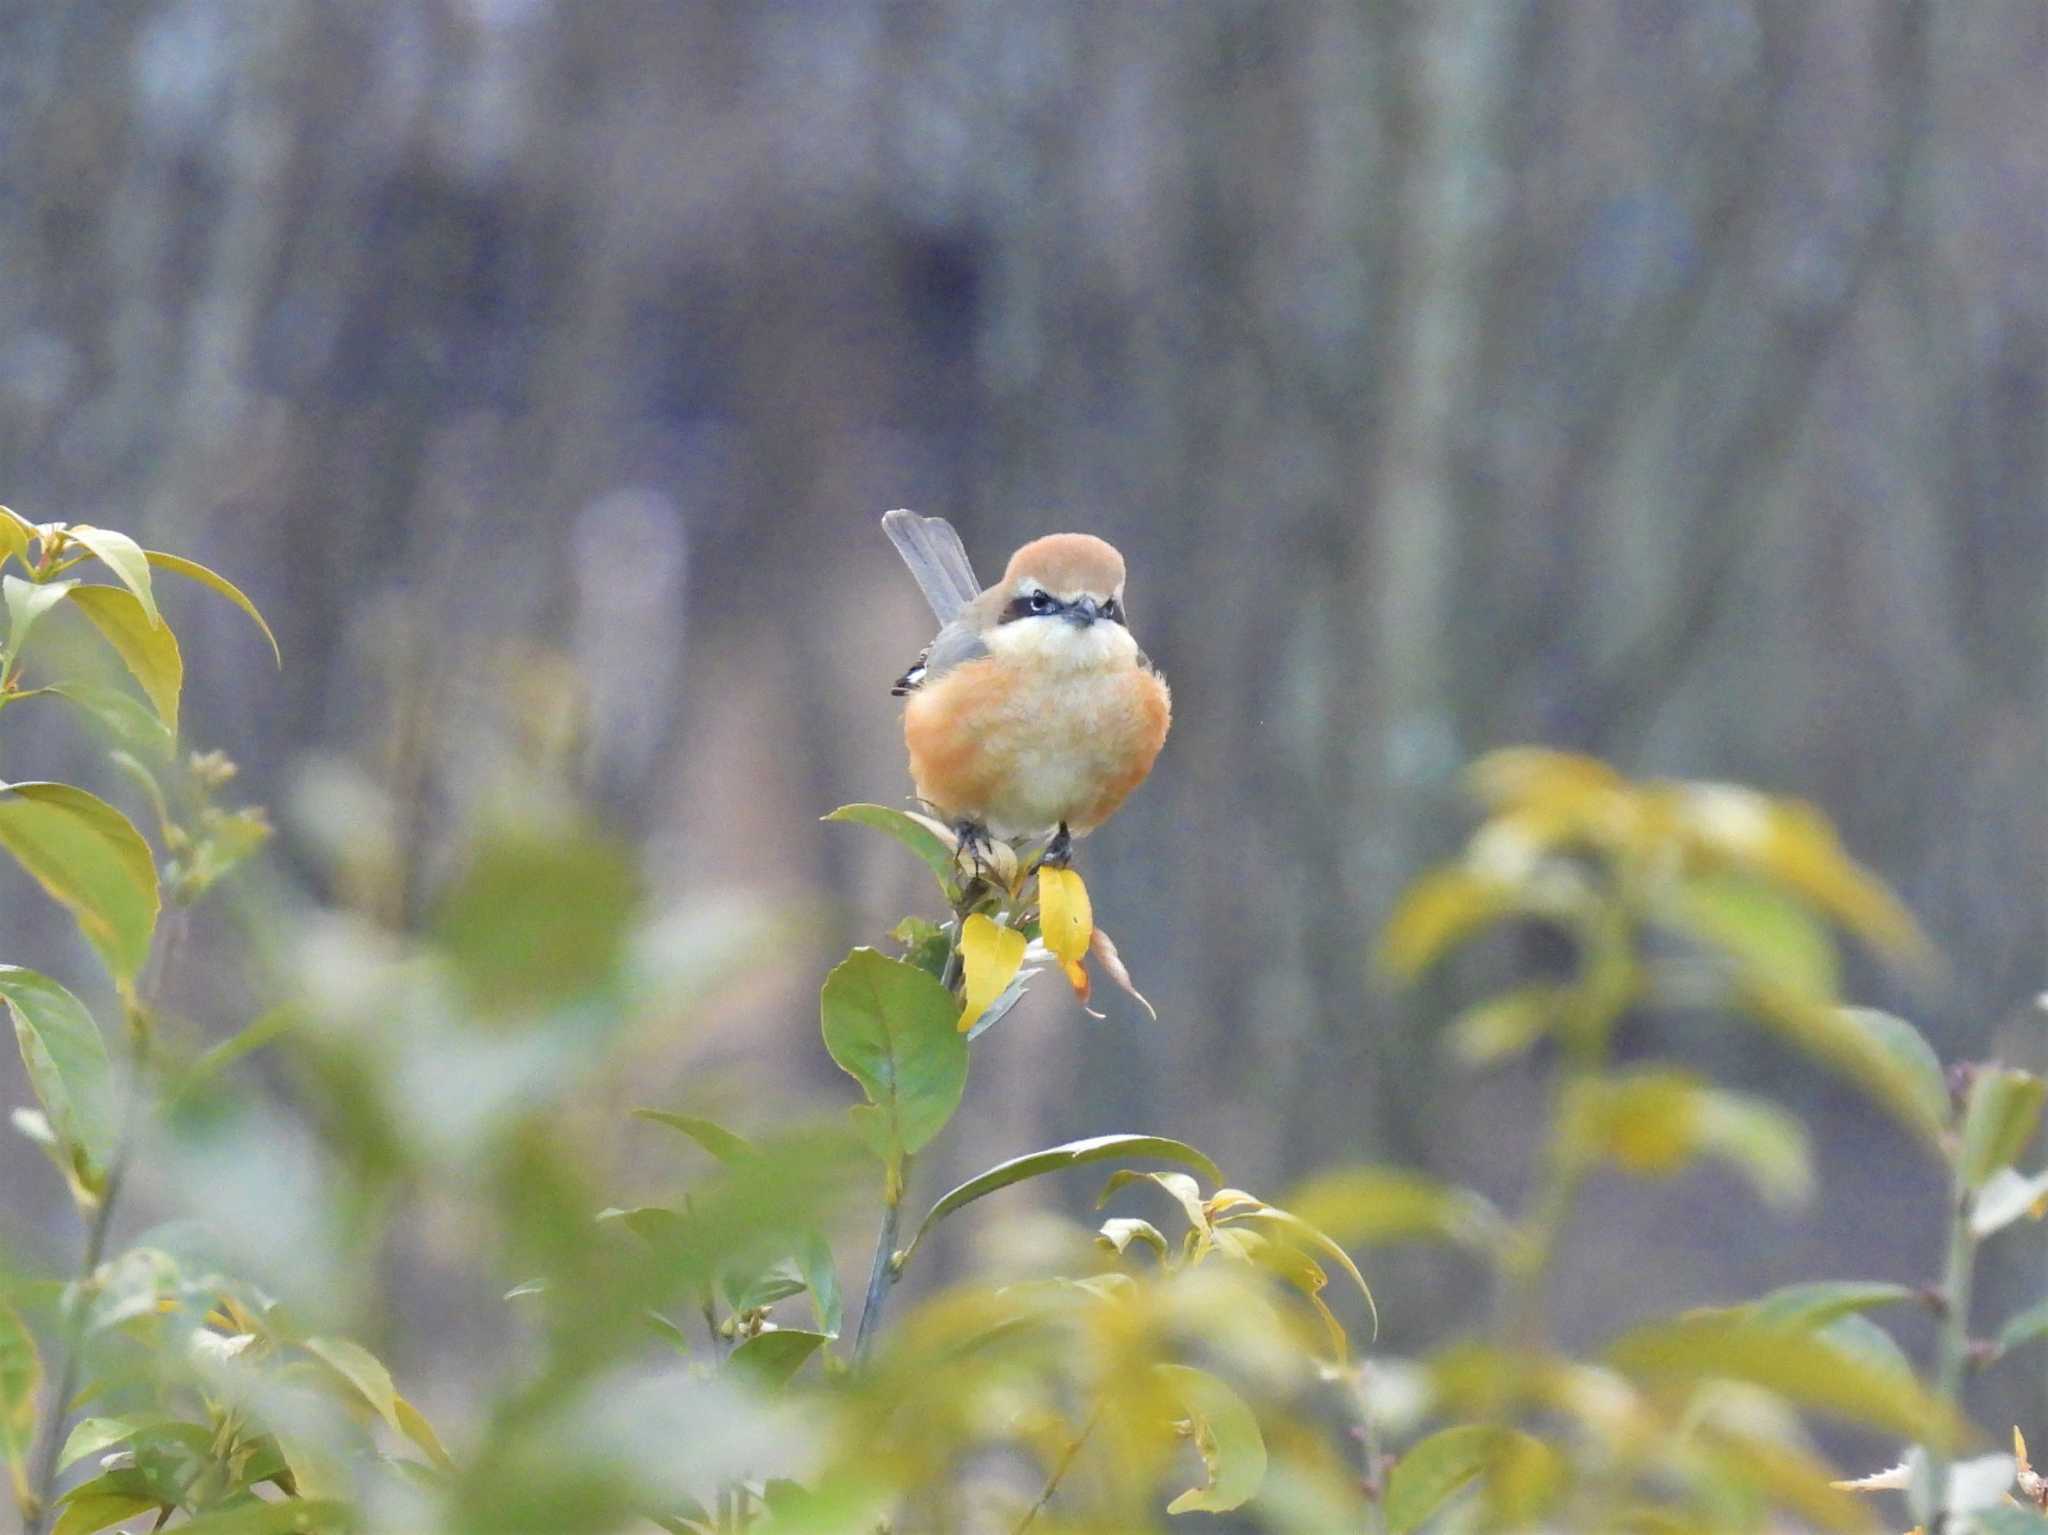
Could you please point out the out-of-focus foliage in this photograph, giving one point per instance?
(1660, 380)
(686, 1358)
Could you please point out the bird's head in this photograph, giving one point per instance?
(1062, 602)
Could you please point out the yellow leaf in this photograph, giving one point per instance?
(144, 643)
(1438, 912)
(1066, 922)
(1065, 917)
(991, 956)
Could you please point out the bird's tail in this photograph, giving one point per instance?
(937, 559)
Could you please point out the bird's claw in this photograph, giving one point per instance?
(1059, 852)
(978, 844)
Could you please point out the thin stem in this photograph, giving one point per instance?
(1369, 1439)
(1951, 1353)
(50, 1440)
(1525, 1269)
(882, 1275)
(1059, 1472)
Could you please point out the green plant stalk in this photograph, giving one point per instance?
(1951, 1354)
(49, 1441)
(50, 1438)
(1058, 1474)
(1525, 1268)
(882, 1274)
(1605, 986)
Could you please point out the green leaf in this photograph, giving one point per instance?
(1099, 1148)
(1372, 1206)
(1120, 1231)
(316, 1468)
(1811, 1370)
(216, 1058)
(86, 1511)
(34, 1126)
(21, 1376)
(925, 944)
(2003, 1110)
(26, 602)
(1227, 1436)
(127, 721)
(821, 1278)
(90, 1436)
(1881, 1054)
(90, 860)
(769, 1359)
(889, 1025)
(362, 1370)
(756, 1286)
(538, 919)
(1304, 1231)
(1766, 931)
(2024, 1327)
(1503, 1026)
(291, 1516)
(1655, 1122)
(714, 1138)
(1179, 1186)
(1760, 1140)
(124, 557)
(933, 850)
(1807, 1307)
(144, 643)
(66, 1060)
(192, 570)
(413, 1424)
(1913, 1055)
(1431, 1473)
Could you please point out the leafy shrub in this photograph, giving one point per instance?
(690, 1363)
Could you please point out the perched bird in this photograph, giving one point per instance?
(1033, 711)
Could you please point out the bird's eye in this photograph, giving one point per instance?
(1042, 602)
(1113, 611)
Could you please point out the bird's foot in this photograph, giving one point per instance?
(977, 844)
(1059, 852)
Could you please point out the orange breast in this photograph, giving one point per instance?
(1023, 749)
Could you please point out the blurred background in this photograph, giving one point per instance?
(1662, 379)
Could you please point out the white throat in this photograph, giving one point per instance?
(1058, 645)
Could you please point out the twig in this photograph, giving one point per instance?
(883, 1273)
(1059, 1472)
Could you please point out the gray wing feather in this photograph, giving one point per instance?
(955, 645)
(936, 558)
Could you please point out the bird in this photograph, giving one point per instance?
(1032, 712)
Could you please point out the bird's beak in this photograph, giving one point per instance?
(1082, 612)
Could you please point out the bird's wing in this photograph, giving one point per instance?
(956, 644)
(937, 559)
